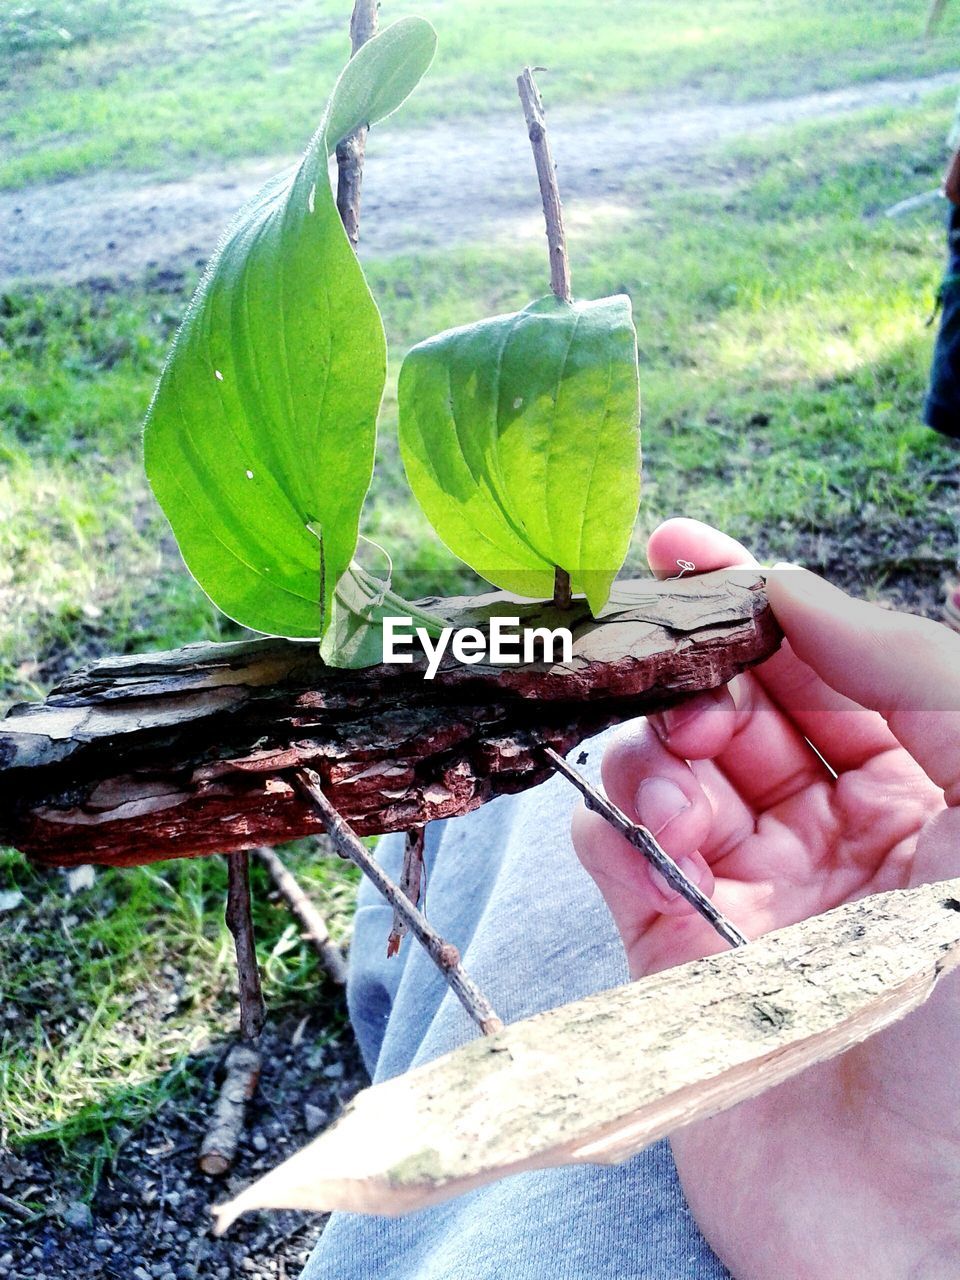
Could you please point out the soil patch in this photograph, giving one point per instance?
(423, 188)
(150, 1217)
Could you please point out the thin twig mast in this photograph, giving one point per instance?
(556, 238)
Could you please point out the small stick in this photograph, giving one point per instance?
(641, 839)
(556, 239)
(934, 14)
(444, 954)
(15, 1209)
(240, 923)
(549, 191)
(315, 927)
(219, 1144)
(562, 594)
(411, 882)
(239, 1085)
(350, 150)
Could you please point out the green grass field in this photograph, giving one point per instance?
(783, 361)
(172, 85)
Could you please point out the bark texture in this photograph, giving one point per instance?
(598, 1080)
(194, 751)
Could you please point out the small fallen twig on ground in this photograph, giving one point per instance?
(15, 1209)
(239, 1085)
(444, 954)
(314, 925)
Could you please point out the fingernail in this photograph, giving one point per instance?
(674, 717)
(659, 801)
(694, 871)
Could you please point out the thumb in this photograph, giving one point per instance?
(905, 667)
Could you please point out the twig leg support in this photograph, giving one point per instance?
(242, 1068)
(411, 884)
(444, 954)
(240, 924)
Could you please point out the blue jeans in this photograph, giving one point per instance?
(505, 885)
(941, 409)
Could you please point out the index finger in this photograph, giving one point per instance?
(845, 733)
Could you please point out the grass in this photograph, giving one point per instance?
(180, 83)
(783, 357)
(108, 992)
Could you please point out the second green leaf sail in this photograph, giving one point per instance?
(520, 437)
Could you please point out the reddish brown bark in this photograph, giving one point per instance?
(193, 752)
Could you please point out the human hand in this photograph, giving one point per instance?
(853, 1168)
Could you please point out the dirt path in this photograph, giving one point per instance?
(439, 185)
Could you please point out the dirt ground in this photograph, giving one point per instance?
(150, 1218)
(417, 184)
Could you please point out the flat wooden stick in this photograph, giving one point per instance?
(598, 1080)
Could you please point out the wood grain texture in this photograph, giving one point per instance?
(598, 1080)
(193, 751)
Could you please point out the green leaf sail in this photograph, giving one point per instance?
(520, 439)
(259, 443)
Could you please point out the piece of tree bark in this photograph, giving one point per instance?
(598, 1080)
(314, 926)
(194, 751)
(239, 1085)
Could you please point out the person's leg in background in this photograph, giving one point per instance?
(941, 410)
